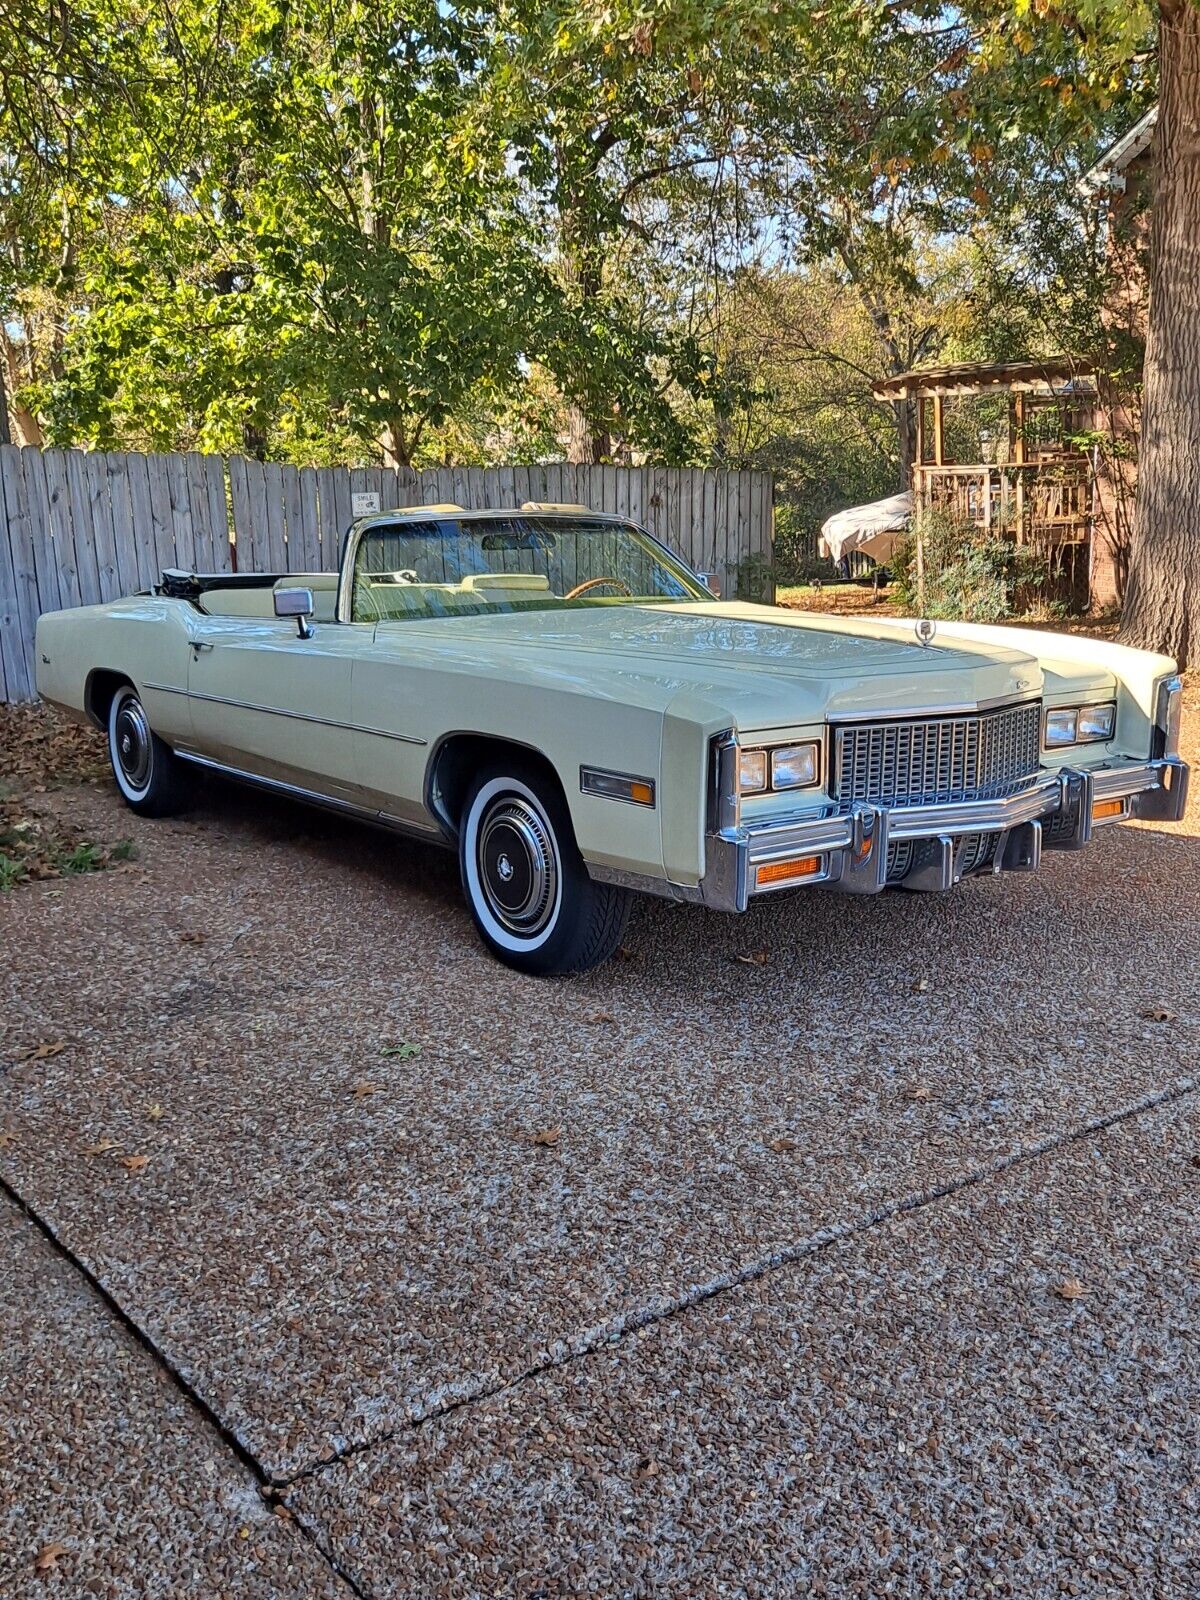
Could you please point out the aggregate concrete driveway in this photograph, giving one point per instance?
(866, 1259)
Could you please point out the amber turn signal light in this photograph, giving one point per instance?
(1107, 808)
(616, 786)
(795, 868)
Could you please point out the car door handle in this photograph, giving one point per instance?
(198, 645)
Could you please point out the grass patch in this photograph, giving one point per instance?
(34, 847)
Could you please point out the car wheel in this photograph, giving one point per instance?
(529, 892)
(146, 770)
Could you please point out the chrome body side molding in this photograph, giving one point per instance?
(278, 711)
(312, 797)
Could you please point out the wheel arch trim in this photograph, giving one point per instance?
(433, 796)
(99, 689)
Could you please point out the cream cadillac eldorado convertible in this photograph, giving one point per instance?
(554, 694)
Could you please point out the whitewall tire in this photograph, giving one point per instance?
(146, 770)
(526, 885)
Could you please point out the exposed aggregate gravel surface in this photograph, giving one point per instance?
(111, 1484)
(332, 1235)
(916, 1411)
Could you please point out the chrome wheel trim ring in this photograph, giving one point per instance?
(130, 745)
(517, 866)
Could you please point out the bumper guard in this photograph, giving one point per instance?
(1055, 811)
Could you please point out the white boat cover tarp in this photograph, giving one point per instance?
(873, 529)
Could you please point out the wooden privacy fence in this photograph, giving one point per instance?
(78, 526)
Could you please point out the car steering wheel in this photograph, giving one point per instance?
(593, 583)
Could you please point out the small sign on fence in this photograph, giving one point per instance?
(365, 504)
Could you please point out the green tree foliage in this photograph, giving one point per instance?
(319, 228)
(694, 230)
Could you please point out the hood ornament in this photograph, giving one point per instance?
(925, 629)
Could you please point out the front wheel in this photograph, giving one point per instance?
(529, 892)
(146, 770)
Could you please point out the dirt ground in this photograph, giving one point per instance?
(848, 1248)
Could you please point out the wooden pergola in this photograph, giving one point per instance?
(1038, 487)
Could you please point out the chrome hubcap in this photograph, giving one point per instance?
(132, 741)
(517, 866)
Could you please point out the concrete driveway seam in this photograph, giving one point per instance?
(616, 1328)
(267, 1489)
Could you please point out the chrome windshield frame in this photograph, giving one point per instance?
(359, 529)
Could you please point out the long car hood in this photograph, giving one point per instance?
(764, 665)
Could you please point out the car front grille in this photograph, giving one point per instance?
(976, 852)
(938, 760)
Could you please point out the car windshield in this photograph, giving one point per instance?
(452, 566)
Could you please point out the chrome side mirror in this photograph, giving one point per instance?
(296, 603)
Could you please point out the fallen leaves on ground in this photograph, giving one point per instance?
(40, 747)
(362, 1090)
(781, 1144)
(42, 1051)
(754, 958)
(35, 846)
(1157, 1014)
(920, 986)
(154, 1112)
(647, 1467)
(548, 1136)
(135, 1163)
(920, 1092)
(100, 1148)
(403, 1050)
(195, 937)
(49, 1556)
(1070, 1289)
(597, 1017)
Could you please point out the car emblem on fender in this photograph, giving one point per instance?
(925, 629)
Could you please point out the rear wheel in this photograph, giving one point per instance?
(529, 892)
(147, 771)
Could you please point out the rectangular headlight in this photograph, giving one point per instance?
(752, 771)
(1061, 728)
(795, 766)
(1096, 723)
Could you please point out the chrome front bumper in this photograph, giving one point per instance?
(1056, 809)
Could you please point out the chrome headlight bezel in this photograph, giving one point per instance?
(1168, 713)
(766, 767)
(1093, 723)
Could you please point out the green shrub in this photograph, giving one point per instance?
(971, 575)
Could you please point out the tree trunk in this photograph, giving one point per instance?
(587, 444)
(906, 441)
(393, 441)
(1162, 601)
(29, 429)
(589, 440)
